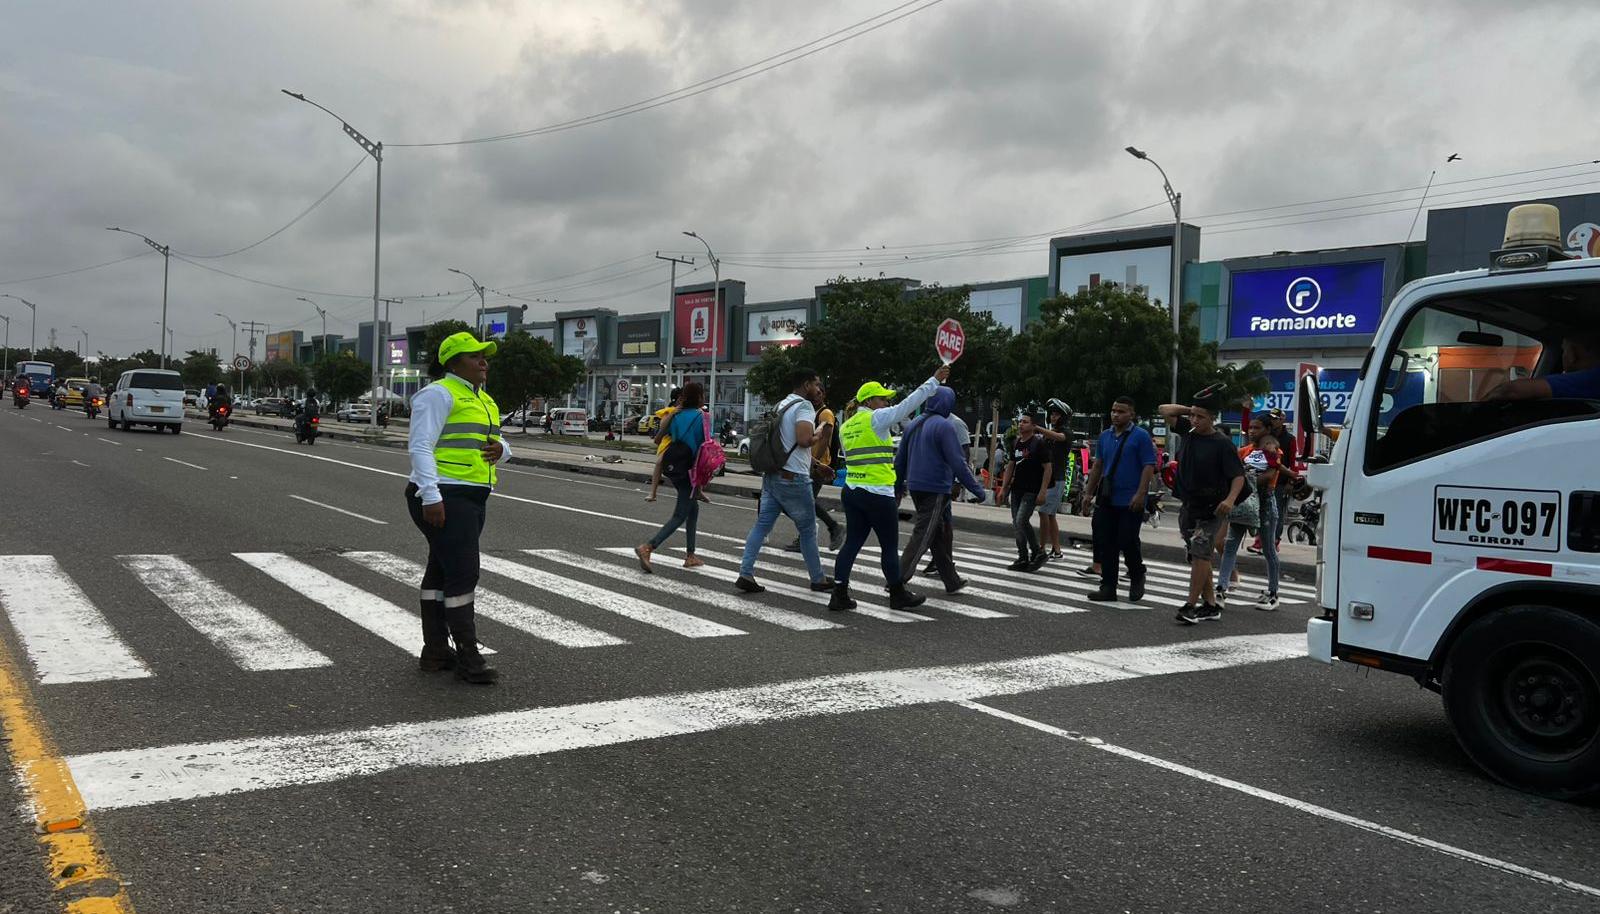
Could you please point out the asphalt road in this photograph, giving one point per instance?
(250, 734)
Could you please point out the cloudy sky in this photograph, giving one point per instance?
(965, 121)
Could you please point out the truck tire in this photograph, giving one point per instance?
(1521, 688)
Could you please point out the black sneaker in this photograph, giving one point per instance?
(1135, 588)
(931, 569)
(836, 538)
(1188, 615)
(794, 546)
(1222, 597)
(748, 584)
(822, 586)
(1103, 596)
(841, 601)
(1267, 602)
(904, 598)
(1209, 612)
(957, 587)
(1038, 561)
(1088, 571)
(1018, 565)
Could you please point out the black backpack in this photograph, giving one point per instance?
(767, 454)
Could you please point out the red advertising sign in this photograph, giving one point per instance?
(692, 326)
(950, 340)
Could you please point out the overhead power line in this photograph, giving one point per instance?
(287, 225)
(739, 74)
(94, 266)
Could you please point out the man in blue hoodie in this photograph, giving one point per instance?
(928, 462)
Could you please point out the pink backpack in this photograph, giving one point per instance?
(710, 459)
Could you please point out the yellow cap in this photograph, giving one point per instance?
(872, 389)
(457, 343)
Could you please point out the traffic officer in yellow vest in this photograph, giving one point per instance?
(455, 446)
(870, 503)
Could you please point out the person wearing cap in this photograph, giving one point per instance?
(1058, 435)
(1209, 480)
(455, 446)
(870, 500)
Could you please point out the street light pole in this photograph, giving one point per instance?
(235, 325)
(5, 366)
(33, 333)
(672, 309)
(323, 313)
(716, 303)
(85, 348)
(1176, 200)
(166, 269)
(376, 151)
(478, 288)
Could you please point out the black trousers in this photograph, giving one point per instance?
(822, 513)
(450, 580)
(1115, 531)
(931, 531)
(866, 512)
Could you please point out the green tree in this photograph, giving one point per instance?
(525, 367)
(1096, 345)
(279, 376)
(200, 369)
(342, 376)
(68, 363)
(874, 329)
(436, 333)
(1241, 384)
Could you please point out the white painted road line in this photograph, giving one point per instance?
(803, 589)
(1290, 802)
(384, 619)
(866, 590)
(108, 441)
(491, 605)
(370, 520)
(184, 462)
(600, 598)
(254, 640)
(126, 778)
(67, 639)
(784, 618)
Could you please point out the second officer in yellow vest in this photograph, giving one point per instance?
(455, 447)
(870, 504)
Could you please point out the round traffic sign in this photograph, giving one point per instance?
(241, 363)
(622, 387)
(950, 340)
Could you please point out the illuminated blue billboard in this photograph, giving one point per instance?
(1341, 299)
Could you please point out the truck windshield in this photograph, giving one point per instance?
(1446, 380)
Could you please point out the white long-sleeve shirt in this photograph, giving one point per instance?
(429, 409)
(883, 420)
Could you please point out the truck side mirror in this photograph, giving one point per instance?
(1308, 404)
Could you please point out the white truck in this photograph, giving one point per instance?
(1460, 525)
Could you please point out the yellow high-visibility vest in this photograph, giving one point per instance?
(868, 459)
(473, 422)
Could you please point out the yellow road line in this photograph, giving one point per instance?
(80, 871)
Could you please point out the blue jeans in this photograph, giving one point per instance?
(784, 496)
(1269, 546)
(686, 514)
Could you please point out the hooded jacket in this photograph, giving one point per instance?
(929, 458)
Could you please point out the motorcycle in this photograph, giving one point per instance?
(19, 397)
(219, 416)
(92, 405)
(58, 401)
(306, 429)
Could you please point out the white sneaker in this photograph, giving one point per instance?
(1267, 602)
(1222, 598)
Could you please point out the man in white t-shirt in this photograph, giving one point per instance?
(788, 491)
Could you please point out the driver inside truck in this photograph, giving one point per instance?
(1580, 357)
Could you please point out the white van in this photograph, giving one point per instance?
(569, 421)
(147, 396)
(1460, 529)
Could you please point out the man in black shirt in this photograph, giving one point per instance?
(1209, 481)
(1026, 480)
(1058, 434)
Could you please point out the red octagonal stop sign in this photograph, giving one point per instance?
(950, 340)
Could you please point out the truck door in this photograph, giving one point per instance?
(1450, 491)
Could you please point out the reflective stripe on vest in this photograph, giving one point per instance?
(868, 459)
(458, 454)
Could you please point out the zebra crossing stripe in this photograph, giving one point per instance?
(375, 614)
(516, 614)
(621, 604)
(1156, 594)
(1160, 580)
(131, 778)
(803, 593)
(254, 640)
(796, 564)
(1178, 575)
(784, 618)
(67, 639)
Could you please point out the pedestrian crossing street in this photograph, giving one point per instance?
(563, 598)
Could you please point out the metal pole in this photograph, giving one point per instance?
(716, 302)
(377, 231)
(1177, 287)
(672, 306)
(5, 369)
(166, 268)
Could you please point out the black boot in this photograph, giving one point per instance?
(1135, 587)
(437, 655)
(901, 597)
(470, 665)
(841, 601)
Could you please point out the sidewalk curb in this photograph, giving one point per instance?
(1301, 572)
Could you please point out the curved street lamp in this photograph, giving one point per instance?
(33, 333)
(716, 309)
(1176, 200)
(166, 270)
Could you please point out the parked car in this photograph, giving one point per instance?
(191, 397)
(273, 406)
(519, 418)
(147, 396)
(354, 414)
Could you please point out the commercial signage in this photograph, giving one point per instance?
(691, 326)
(637, 339)
(1342, 299)
(1004, 306)
(548, 334)
(399, 352)
(580, 335)
(495, 324)
(280, 347)
(773, 328)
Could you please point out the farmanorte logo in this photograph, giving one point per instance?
(1302, 297)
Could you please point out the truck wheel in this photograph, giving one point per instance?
(1522, 691)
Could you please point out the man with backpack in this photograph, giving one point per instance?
(780, 450)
